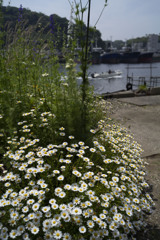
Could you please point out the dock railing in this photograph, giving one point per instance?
(136, 81)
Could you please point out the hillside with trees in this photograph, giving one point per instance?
(39, 26)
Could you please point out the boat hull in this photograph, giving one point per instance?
(129, 57)
(107, 75)
(95, 58)
(110, 58)
(145, 57)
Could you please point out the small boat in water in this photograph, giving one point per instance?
(107, 75)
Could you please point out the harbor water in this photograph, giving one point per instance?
(119, 83)
(102, 85)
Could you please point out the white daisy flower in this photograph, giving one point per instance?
(82, 229)
(13, 234)
(67, 236)
(29, 225)
(62, 129)
(54, 206)
(76, 211)
(95, 235)
(52, 201)
(101, 148)
(62, 134)
(92, 149)
(102, 216)
(35, 206)
(90, 223)
(135, 200)
(81, 151)
(48, 236)
(14, 214)
(31, 216)
(30, 201)
(70, 205)
(56, 171)
(7, 184)
(15, 203)
(54, 222)
(44, 185)
(64, 214)
(48, 214)
(112, 227)
(60, 178)
(40, 181)
(36, 221)
(47, 223)
(63, 207)
(105, 232)
(45, 209)
(94, 218)
(57, 234)
(68, 161)
(71, 137)
(115, 179)
(86, 214)
(34, 230)
(81, 143)
(76, 201)
(58, 190)
(129, 213)
(75, 188)
(25, 236)
(38, 214)
(20, 229)
(103, 225)
(62, 194)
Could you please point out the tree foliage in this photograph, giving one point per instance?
(38, 22)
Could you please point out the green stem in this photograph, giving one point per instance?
(84, 72)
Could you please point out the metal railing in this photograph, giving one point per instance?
(148, 81)
(136, 81)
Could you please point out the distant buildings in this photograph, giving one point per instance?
(153, 44)
(149, 43)
(138, 46)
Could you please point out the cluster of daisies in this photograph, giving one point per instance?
(72, 190)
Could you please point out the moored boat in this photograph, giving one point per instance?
(156, 57)
(129, 57)
(110, 57)
(95, 57)
(145, 57)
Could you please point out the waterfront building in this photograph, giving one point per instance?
(138, 46)
(153, 44)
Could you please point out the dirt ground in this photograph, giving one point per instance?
(143, 122)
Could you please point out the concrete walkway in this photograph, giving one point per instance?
(141, 115)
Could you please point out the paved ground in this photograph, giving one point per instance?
(141, 115)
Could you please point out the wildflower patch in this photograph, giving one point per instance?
(71, 190)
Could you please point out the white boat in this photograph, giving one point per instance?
(107, 75)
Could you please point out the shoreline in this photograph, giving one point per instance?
(132, 93)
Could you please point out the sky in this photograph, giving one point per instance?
(121, 19)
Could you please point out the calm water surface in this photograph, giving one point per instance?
(116, 84)
(119, 83)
